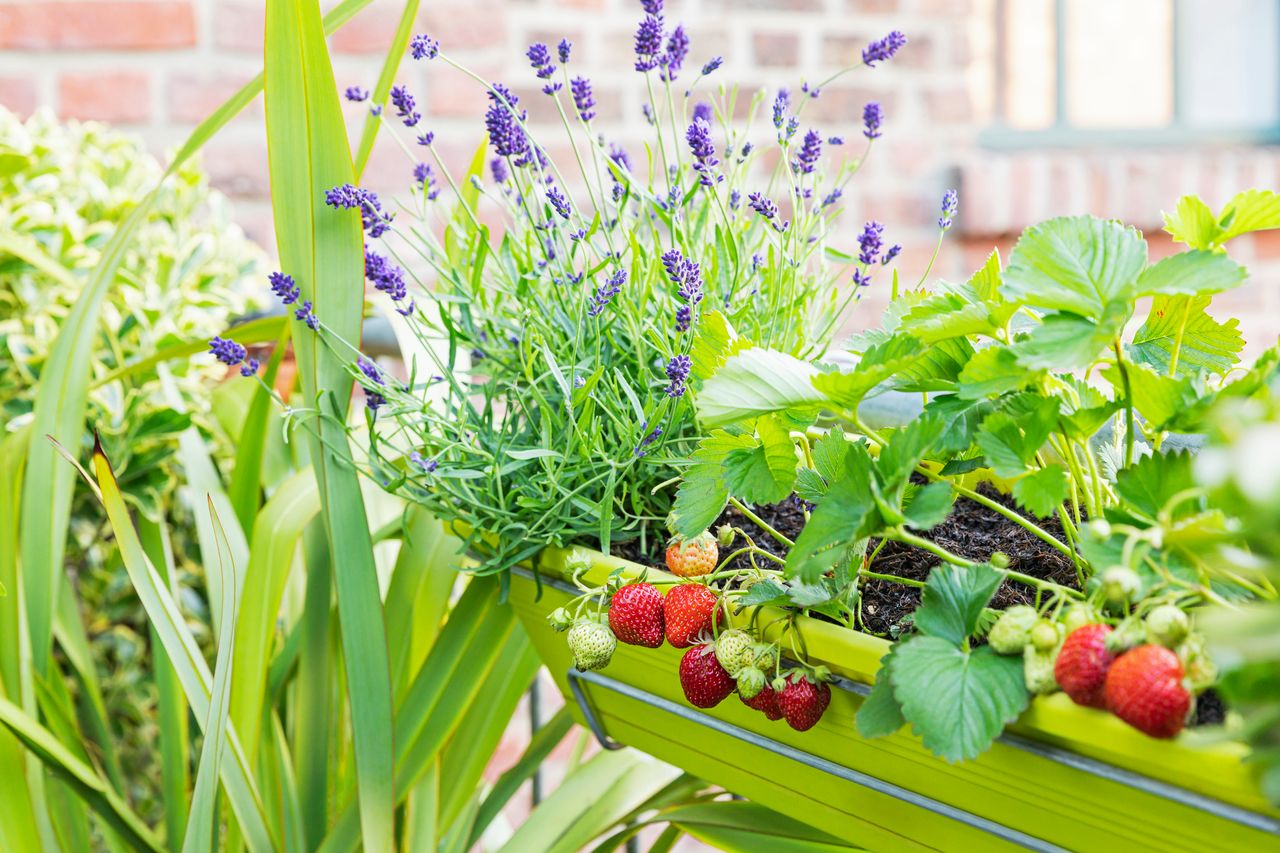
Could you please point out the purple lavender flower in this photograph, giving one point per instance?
(883, 49)
(425, 139)
(678, 373)
(540, 59)
(426, 179)
(498, 168)
(583, 100)
(283, 287)
(558, 202)
(649, 117)
(811, 91)
(861, 279)
(307, 316)
(651, 7)
(619, 157)
(735, 199)
(870, 241)
(685, 274)
(810, 151)
(426, 466)
(356, 93)
(950, 204)
(249, 368)
(375, 221)
(649, 42)
(423, 46)
(647, 438)
(385, 276)
(228, 352)
(711, 66)
(372, 399)
(406, 310)
(605, 292)
(872, 115)
(891, 254)
(702, 110)
(503, 123)
(781, 103)
(677, 51)
(832, 197)
(403, 101)
(563, 49)
(762, 205)
(704, 152)
(835, 140)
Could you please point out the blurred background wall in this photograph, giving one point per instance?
(1031, 108)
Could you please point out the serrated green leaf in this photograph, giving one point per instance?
(1009, 440)
(881, 715)
(1148, 484)
(1182, 324)
(1043, 491)
(960, 420)
(1067, 341)
(757, 382)
(876, 365)
(937, 368)
(953, 600)
(1078, 264)
(764, 471)
(1191, 273)
(991, 372)
(829, 452)
(1193, 223)
(809, 485)
(713, 343)
(948, 315)
(904, 450)
(1159, 399)
(929, 506)
(763, 593)
(957, 702)
(703, 493)
(837, 521)
(1251, 210)
(986, 280)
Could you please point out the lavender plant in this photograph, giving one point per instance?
(566, 313)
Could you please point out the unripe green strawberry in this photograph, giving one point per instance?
(763, 656)
(1201, 671)
(1012, 631)
(1077, 616)
(750, 682)
(559, 619)
(1167, 626)
(1120, 584)
(730, 648)
(1037, 670)
(691, 558)
(1045, 636)
(724, 535)
(1144, 688)
(591, 644)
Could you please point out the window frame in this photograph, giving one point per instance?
(1062, 134)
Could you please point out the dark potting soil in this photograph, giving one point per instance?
(1210, 709)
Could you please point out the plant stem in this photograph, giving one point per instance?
(1128, 404)
(956, 560)
(892, 579)
(761, 523)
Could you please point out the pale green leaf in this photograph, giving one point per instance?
(1065, 342)
(877, 364)
(1193, 223)
(757, 382)
(764, 472)
(1251, 210)
(1042, 491)
(991, 372)
(953, 600)
(929, 506)
(1079, 264)
(1182, 325)
(1191, 272)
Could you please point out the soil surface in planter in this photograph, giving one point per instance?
(971, 530)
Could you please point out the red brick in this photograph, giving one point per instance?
(774, 50)
(116, 96)
(238, 26)
(769, 5)
(871, 7)
(844, 105)
(466, 24)
(190, 98)
(18, 94)
(47, 25)
(952, 106)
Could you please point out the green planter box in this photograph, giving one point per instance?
(1062, 777)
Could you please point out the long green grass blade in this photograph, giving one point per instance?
(245, 488)
(313, 721)
(197, 682)
(201, 822)
(395, 54)
(275, 539)
(418, 595)
(78, 775)
(324, 251)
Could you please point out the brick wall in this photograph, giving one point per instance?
(158, 66)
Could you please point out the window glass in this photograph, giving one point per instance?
(1030, 64)
(1119, 63)
(1229, 66)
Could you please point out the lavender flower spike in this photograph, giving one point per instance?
(883, 49)
(583, 99)
(563, 50)
(704, 152)
(677, 51)
(558, 202)
(423, 46)
(711, 66)
(870, 241)
(226, 351)
(372, 399)
(356, 93)
(810, 151)
(503, 123)
(872, 116)
(678, 373)
(649, 43)
(950, 204)
(283, 287)
(404, 104)
(249, 368)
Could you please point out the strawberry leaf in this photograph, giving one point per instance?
(880, 714)
(958, 702)
(1148, 484)
(1190, 273)
(1181, 324)
(763, 470)
(1193, 223)
(928, 506)
(1251, 210)
(1079, 264)
(1066, 341)
(843, 515)
(991, 372)
(757, 382)
(876, 365)
(953, 600)
(1043, 491)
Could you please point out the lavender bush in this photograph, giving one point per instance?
(549, 401)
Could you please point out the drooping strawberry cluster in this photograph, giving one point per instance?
(718, 661)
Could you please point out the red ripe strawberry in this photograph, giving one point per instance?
(687, 612)
(705, 682)
(1144, 688)
(766, 701)
(691, 558)
(635, 615)
(1081, 668)
(803, 702)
